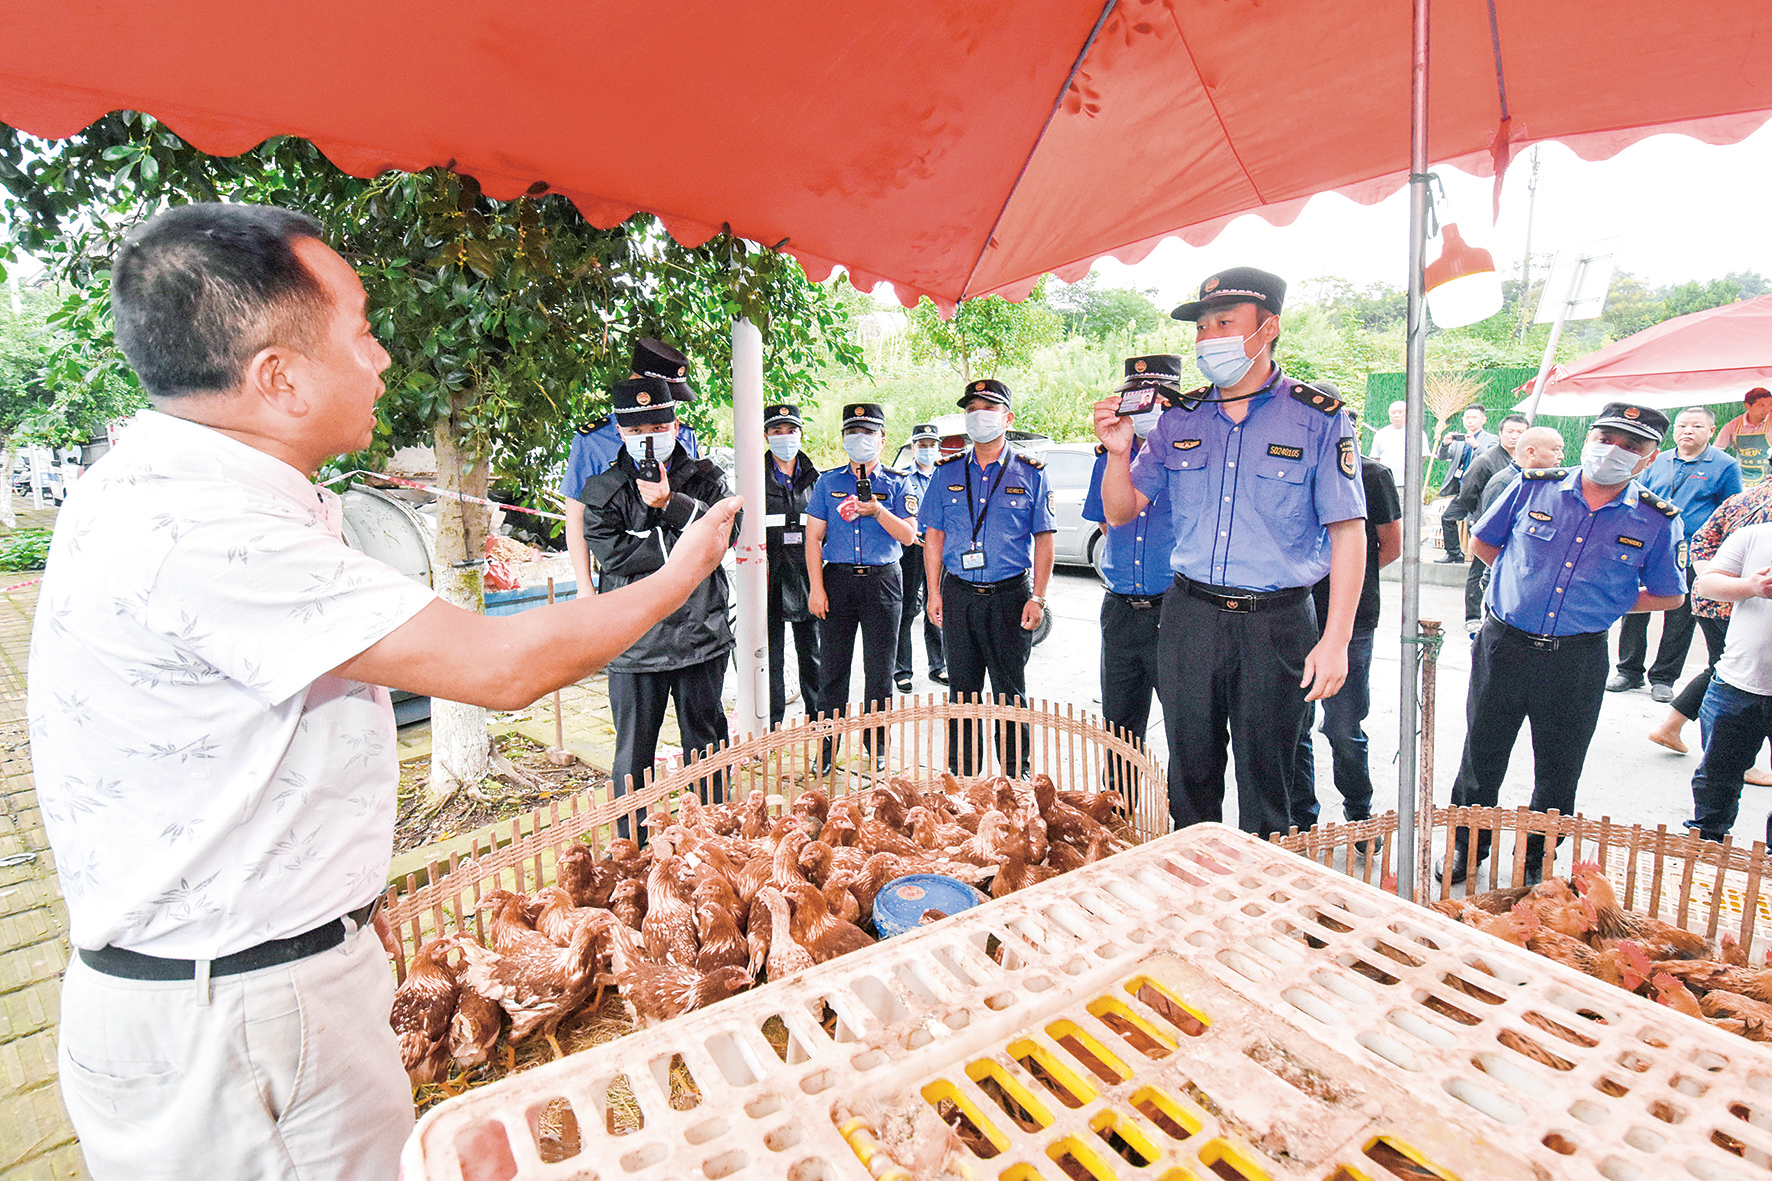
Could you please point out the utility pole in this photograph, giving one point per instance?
(1526, 260)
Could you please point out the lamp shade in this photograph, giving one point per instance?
(1462, 286)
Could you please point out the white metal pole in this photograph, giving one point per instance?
(752, 589)
(1413, 423)
(1550, 347)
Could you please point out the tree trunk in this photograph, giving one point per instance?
(461, 751)
(8, 518)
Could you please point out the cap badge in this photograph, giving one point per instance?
(643, 398)
(682, 369)
(1632, 412)
(1209, 285)
(1139, 366)
(980, 386)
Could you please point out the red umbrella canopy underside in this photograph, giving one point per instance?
(954, 149)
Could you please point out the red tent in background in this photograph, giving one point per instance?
(1695, 360)
(954, 149)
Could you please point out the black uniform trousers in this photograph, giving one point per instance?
(805, 650)
(911, 570)
(1476, 585)
(1512, 681)
(638, 700)
(1233, 674)
(865, 599)
(1129, 660)
(981, 634)
(1676, 640)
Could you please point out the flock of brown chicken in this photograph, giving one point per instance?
(1577, 921)
(724, 896)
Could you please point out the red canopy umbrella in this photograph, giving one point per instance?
(955, 149)
(1710, 356)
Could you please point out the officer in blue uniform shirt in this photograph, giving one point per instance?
(785, 495)
(857, 525)
(1570, 553)
(1135, 562)
(1261, 473)
(988, 525)
(925, 454)
(596, 444)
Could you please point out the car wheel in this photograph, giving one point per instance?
(1045, 628)
(1097, 549)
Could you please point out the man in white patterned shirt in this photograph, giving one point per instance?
(211, 733)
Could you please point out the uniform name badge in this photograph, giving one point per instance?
(972, 559)
(794, 538)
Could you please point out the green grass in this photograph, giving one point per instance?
(25, 550)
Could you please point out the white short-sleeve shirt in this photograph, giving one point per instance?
(1746, 662)
(206, 783)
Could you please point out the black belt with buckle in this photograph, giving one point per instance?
(1546, 643)
(856, 571)
(1138, 602)
(1013, 582)
(1243, 602)
(133, 965)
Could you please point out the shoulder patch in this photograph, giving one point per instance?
(1655, 502)
(596, 424)
(1315, 398)
(1348, 456)
(1037, 465)
(1544, 473)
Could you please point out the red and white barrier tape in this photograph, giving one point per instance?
(19, 585)
(451, 494)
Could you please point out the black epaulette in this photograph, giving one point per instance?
(1544, 473)
(1188, 401)
(1315, 398)
(951, 458)
(596, 424)
(1037, 465)
(1101, 448)
(1655, 502)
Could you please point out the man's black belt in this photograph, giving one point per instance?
(133, 965)
(857, 571)
(1013, 582)
(1238, 600)
(1547, 643)
(1138, 602)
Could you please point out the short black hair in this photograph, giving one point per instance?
(198, 289)
(1709, 414)
(1479, 408)
(1516, 416)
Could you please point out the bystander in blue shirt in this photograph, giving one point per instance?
(1134, 556)
(594, 448)
(997, 510)
(863, 541)
(1695, 486)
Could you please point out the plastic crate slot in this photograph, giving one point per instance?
(1075, 966)
(765, 1105)
(956, 1109)
(707, 1129)
(1365, 968)
(1615, 1169)
(1037, 983)
(726, 1164)
(783, 1040)
(818, 1080)
(1275, 950)
(830, 1019)
(1399, 1160)
(1574, 1037)
(1072, 921)
(1509, 1072)
(622, 1114)
(917, 1038)
(1561, 1144)
(1022, 1173)
(554, 1124)
(1254, 909)
(1436, 1003)
(1352, 905)
(1530, 1047)
(1280, 1062)
(1645, 1139)
(1389, 1049)
(998, 1001)
(644, 1157)
(879, 999)
(1183, 874)
(1045, 1068)
(1079, 1161)
(1126, 1139)
(1163, 890)
(1481, 1098)
(1171, 1116)
(1672, 1113)
(911, 977)
(811, 1169)
(1684, 1083)
(1167, 1006)
(1744, 1113)
(1109, 951)
(1395, 953)
(958, 1019)
(1746, 1150)
(1011, 1094)
(1760, 1082)
(1708, 1061)
(1094, 1056)
(1243, 966)
(1417, 1026)
(1475, 991)
(951, 964)
(1227, 1161)
(783, 1138)
(1589, 1112)
(674, 1079)
(1348, 990)
(1201, 859)
(1135, 900)
(1727, 1143)
(733, 1058)
(869, 1059)
(1607, 1085)
(489, 1148)
(1311, 1006)
(1144, 1038)
(1632, 1061)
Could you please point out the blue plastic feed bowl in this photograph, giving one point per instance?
(906, 903)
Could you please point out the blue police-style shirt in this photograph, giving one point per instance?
(1134, 556)
(863, 541)
(916, 489)
(1696, 486)
(1567, 570)
(594, 449)
(1251, 500)
(1003, 506)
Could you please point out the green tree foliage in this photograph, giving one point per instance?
(985, 336)
(1105, 313)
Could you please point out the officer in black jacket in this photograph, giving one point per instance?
(635, 510)
(791, 477)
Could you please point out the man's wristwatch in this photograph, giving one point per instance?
(1040, 599)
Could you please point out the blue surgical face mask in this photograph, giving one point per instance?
(984, 425)
(1222, 359)
(928, 455)
(1144, 422)
(784, 446)
(636, 446)
(1608, 463)
(862, 447)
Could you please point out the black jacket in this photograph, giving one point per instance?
(1482, 469)
(631, 540)
(789, 587)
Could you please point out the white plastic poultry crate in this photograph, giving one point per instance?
(1201, 1007)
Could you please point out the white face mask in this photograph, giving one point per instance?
(1608, 463)
(636, 445)
(784, 446)
(984, 425)
(928, 455)
(1222, 359)
(1144, 422)
(862, 447)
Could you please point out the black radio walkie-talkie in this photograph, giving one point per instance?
(864, 487)
(648, 467)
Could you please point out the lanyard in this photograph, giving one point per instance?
(978, 515)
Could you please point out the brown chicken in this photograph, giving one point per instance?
(781, 956)
(590, 882)
(811, 808)
(818, 930)
(655, 993)
(1614, 922)
(669, 926)
(1730, 951)
(423, 1006)
(1706, 975)
(1670, 992)
(474, 1029)
(538, 983)
(1517, 926)
(722, 943)
(551, 911)
(629, 902)
(1755, 1015)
